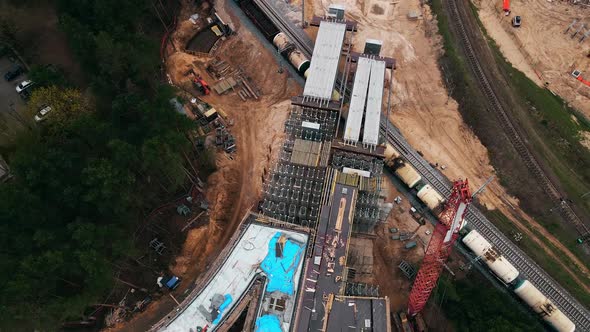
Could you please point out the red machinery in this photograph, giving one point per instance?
(201, 84)
(440, 245)
(578, 75)
(506, 7)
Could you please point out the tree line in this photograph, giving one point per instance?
(84, 177)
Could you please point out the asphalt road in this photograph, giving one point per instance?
(8, 95)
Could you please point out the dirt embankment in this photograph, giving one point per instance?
(258, 129)
(423, 110)
(540, 48)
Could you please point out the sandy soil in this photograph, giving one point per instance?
(258, 129)
(236, 186)
(539, 48)
(38, 28)
(422, 109)
(389, 253)
(424, 112)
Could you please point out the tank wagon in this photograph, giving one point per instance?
(495, 261)
(408, 174)
(296, 57)
(288, 50)
(541, 305)
(490, 256)
(522, 288)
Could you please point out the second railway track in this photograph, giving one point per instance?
(570, 306)
(515, 138)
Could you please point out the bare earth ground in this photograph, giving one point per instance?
(258, 129)
(389, 253)
(237, 185)
(422, 109)
(539, 48)
(424, 112)
(38, 27)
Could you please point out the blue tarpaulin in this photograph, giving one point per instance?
(268, 323)
(280, 270)
(222, 308)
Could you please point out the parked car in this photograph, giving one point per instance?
(13, 73)
(516, 21)
(24, 85)
(171, 282)
(42, 113)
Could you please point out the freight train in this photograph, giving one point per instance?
(288, 50)
(494, 260)
(296, 57)
(408, 174)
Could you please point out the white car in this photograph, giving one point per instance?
(23, 85)
(42, 113)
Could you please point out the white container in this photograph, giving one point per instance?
(496, 262)
(430, 197)
(544, 307)
(408, 175)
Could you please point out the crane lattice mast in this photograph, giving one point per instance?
(444, 235)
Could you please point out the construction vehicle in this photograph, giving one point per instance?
(516, 21)
(200, 83)
(451, 220)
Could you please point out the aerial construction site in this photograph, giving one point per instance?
(356, 181)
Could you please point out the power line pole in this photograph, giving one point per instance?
(303, 14)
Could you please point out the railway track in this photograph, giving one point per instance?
(515, 138)
(533, 272)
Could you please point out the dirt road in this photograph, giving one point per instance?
(425, 113)
(237, 184)
(539, 48)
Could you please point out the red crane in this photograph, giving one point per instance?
(440, 245)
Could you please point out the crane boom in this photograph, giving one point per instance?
(439, 247)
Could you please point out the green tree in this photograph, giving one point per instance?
(93, 166)
(66, 104)
(475, 305)
(48, 75)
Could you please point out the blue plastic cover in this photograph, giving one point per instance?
(280, 271)
(268, 323)
(222, 308)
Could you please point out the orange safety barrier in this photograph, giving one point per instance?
(583, 80)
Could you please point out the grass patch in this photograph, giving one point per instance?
(511, 171)
(546, 262)
(461, 301)
(554, 129)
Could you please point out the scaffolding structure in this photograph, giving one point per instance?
(361, 289)
(294, 192)
(325, 119)
(368, 210)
